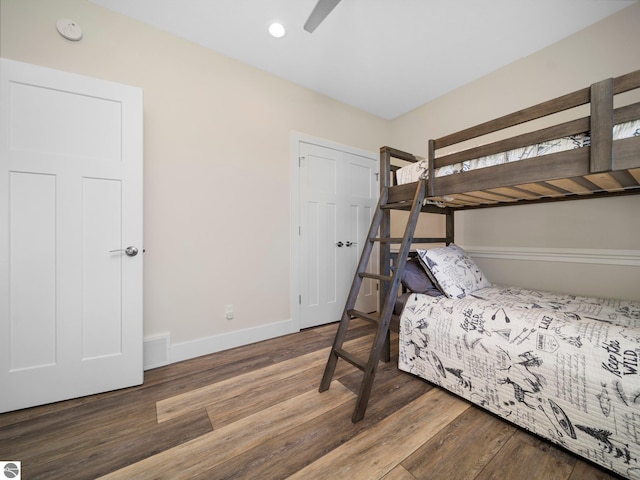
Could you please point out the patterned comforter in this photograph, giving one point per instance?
(563, 367)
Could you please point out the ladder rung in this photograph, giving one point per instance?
(369, 317)
(429, 240)
(414, 240)
(375, 276)
(397, 206)
(352, 359)
(387, 240)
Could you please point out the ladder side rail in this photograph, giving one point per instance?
(389, 302)
(353, 295)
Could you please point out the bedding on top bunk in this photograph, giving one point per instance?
(561, 366)
(420, 170)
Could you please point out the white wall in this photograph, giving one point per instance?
(573, 247)
(216, 166)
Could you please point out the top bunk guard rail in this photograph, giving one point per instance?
(621, 84)
(606, 167)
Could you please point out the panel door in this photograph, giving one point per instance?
(362, 197)
(70, 203)
(338, 194)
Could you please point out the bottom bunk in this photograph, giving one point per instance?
(561, 366)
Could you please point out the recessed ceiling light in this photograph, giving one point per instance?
(276, 30)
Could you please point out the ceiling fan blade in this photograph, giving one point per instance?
(319, 13)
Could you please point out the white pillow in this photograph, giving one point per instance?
(455, 273)
(412, 173)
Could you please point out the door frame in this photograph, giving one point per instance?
(295, 140)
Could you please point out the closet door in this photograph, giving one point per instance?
(362, 197)
(70, 204)
(338, 194)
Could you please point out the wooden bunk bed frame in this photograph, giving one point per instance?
(605, 168)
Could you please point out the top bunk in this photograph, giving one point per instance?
(591, 156)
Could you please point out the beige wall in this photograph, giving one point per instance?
(217, 156)
(596, 226)
(216, 161)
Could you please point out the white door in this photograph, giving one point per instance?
(363, 193)
(70, 202)
(338, 195)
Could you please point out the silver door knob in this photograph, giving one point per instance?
(339, 244)
(130, 251)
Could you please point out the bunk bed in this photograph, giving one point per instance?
(561, 366)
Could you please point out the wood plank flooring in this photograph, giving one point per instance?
(255, 413)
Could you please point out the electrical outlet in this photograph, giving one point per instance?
(229, 312)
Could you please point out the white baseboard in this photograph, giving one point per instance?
(217, 343)
(565, 255)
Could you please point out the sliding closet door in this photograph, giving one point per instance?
(70, 205)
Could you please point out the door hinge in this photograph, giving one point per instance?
(300, 161)
(299, 299)
(299, 231)
(377, 177)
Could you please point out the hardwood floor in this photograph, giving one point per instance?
(255, 413)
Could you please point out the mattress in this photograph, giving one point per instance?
(563, 367)
(420, 170)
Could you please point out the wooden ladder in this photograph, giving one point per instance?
(383, 317)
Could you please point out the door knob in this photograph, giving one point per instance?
(351, 243)
(339, 244)
(129, 251)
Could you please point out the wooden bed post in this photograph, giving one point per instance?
(432, 169)
(385, 225)
(450, 216)
(601, 159)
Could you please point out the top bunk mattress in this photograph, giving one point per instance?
(420, 170)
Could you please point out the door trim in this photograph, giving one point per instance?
(295, 139)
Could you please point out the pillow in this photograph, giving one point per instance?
(415, 279)
(413, 173)
(455, 273)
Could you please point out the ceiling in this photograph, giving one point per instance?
(385, 57)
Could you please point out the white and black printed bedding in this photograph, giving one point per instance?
(420, 170)
(563, 367)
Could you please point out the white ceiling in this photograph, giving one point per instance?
(385, 57)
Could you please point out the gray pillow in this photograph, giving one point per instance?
(415, 279)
